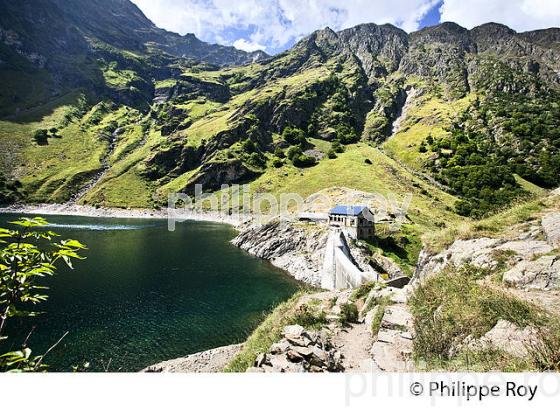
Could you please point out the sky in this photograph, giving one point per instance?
(275, 25)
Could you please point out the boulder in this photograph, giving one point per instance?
(551, 229)
(280, 347)
(294, 356)
(398, 282)
(293, 331)
(542, 273)
(397, 317)
(508, 337)
(392, 351)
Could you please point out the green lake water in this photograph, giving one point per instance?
(145, 294)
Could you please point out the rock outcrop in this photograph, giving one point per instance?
(208, 361)
(551, 229)
(296, 249)
(528, 261)
(393, 346)
(482, 252)
(542, 273)
(300, 351)
(507, 337)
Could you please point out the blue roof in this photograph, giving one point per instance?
(348, 210)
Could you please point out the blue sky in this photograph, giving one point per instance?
(275, 25)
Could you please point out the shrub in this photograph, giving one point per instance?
(303, 161)
(337, 147)
(345, 134)
(22, 283)
(310, 317)
(279, 152)
(349, 313)
(256, 160)
(41, 137)
(293, 152)
(294, 136)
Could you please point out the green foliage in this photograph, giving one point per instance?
(309, 316)
(303, 161)
(294, 152)
(294, 136)
(23, 264)
(337, 147)
(348, 313)
(485, 188)
(249, 146)
(346, 134)
(256, 160)
(403, 247)
(41, 137)
(499, 136)
(279, 152)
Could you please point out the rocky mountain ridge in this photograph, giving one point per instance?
(157, 121)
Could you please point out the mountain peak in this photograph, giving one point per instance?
(50, 27)
(445, 33)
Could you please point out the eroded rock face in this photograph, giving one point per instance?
(551, 229)
(298, 250)
(482, 253)
(529, 262)
(542, 273)
(508, 337)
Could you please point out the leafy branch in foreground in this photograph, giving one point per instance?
(28, 254)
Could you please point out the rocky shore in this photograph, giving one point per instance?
(208, 361)
(132, 213)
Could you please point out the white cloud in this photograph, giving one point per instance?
(277, 23)
(521, 15)
(249, 46)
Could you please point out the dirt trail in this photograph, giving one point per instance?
(354, 342)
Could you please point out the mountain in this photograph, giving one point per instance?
(102, 107)
(68, 44)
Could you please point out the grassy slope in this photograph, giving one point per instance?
(493, 226)
(451, 306)
(50, 173)
(429, 205)
(429, 115)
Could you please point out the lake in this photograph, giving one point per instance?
(145, 294)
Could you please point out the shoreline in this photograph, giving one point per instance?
(131, 213)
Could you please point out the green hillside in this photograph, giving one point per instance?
(465, 121)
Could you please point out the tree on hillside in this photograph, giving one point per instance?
(28, 255)
(41, 137)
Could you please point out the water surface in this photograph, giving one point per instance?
(145, 294)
